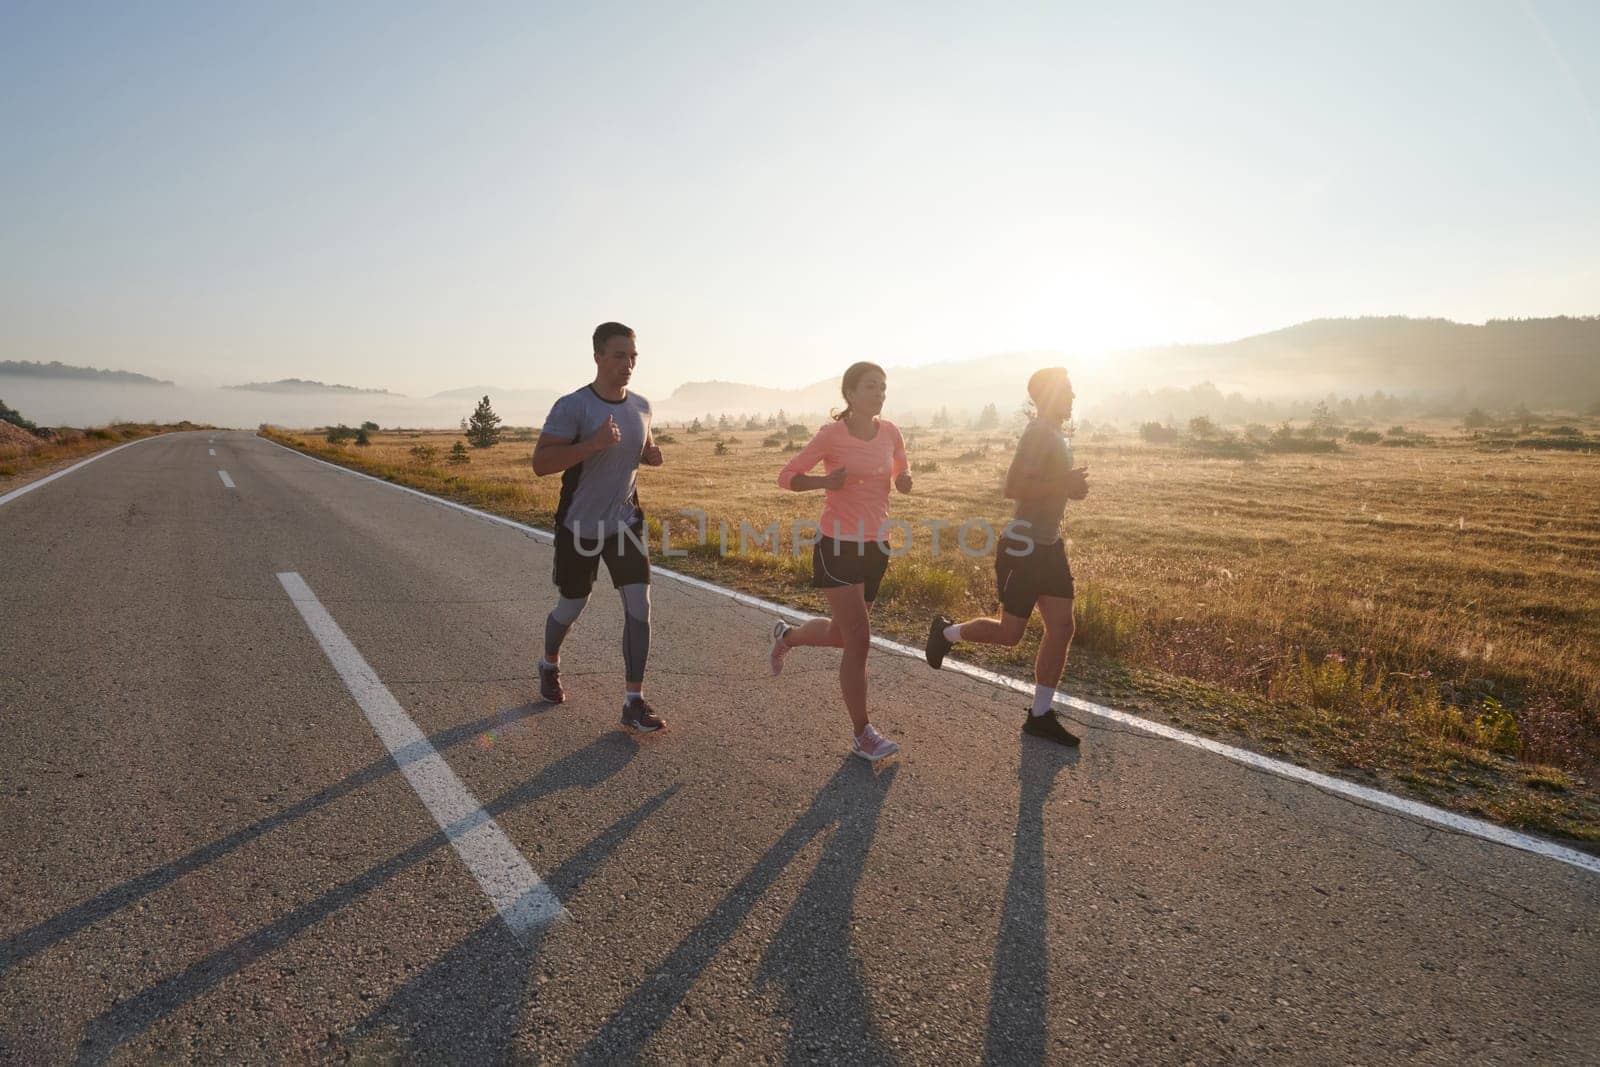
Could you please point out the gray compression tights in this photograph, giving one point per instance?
(560, 621)
(635, 628)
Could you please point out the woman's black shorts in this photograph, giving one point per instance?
(835, 564)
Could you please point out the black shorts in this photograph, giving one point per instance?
(1022, 580)
(624, 555)
(836, 564)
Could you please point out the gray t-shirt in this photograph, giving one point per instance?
(1043, 448)
(599, 496)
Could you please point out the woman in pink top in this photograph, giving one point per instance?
(861, 455)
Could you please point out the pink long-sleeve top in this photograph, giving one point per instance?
(858, 510)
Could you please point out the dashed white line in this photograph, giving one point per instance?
(1376, 798)
(227, 481)
(518, 894)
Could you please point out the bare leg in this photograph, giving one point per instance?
(818, 633)
(1058, 630)
(1006, 630)
(852, 620)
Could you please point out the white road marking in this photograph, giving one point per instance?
(518, 894)
(227, 481)
(212, 451)
(47, 479)
(1376, 798)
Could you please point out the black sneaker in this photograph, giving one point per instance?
(637, 715)
(1049, 727)
(550, 684)
(938, 645)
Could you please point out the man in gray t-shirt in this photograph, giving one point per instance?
(597, 437)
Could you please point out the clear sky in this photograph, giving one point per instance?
(424, 197)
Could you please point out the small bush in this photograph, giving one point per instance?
(338, 435)
(721, 449)
(1363, 437)
(663, 438)
(458, 455)
(1156, 434)
(772, 440)
(925, 466)
(424, 454)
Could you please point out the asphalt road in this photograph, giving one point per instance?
(208, 852)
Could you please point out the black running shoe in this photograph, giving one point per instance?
(1049, 727)
(637, 715)
(550, 684)
(938, 645)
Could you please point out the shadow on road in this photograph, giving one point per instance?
(810, 956)
(468, 1007)
(57, 928)
(1020, 990)
(586, 768)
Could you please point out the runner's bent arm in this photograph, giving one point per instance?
(794, 476)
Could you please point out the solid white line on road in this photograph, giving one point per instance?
(227, 481)
(521, 897)
(47, 479)
(1376, 798)
(212, 451)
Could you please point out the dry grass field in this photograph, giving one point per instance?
(1422, 613)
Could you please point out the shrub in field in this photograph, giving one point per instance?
(1156, 434)
(14, 417)
(370, 426)
(1363, 437)
(925, 466)
(663, 438)
(424, 454)
(721, 449)
(361, 437)
(338, 435)
(772, 440)
(458, 455)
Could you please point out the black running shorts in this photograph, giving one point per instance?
(1023, 579)
(624, 556)
(835, 564)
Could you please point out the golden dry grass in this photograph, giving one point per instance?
(1431, 612)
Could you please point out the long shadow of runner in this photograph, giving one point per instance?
(830, 1017)
(824, 981)
(1020, 990)
(586, 768)
(37, 938)
(467, 1008)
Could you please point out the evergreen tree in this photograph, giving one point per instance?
(483, 429)
(988, 418)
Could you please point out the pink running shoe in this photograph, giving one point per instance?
(779, 649)
(872, 746)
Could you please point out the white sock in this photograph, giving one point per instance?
(546, 664)
(1043, 697)
(629, 696)
(952, 633)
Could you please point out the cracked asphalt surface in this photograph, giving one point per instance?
(209, 855)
